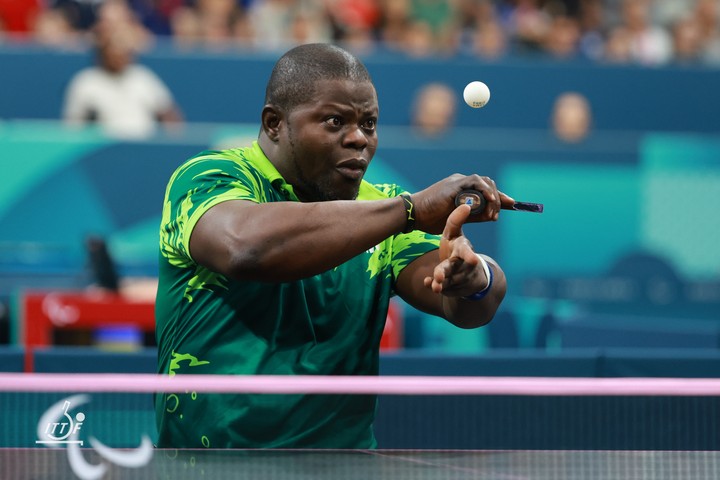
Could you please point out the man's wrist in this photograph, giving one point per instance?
(480, 294)
(409, 206)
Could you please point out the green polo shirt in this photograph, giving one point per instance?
(328, 324)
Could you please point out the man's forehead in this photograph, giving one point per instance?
(343, 92)
(344, 83)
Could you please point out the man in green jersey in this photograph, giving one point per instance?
(278, 258)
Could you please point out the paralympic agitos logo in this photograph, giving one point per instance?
(58, 427)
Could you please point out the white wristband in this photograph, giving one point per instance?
(479, 295)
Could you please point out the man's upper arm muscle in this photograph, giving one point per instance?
(214, 239)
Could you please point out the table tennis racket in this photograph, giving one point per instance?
(477, 203)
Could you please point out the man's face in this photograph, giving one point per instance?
(115, 56)
(329, 142)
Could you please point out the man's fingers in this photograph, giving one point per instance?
(455, 221)
(463, 253)
(506, 201)
(451, 275)
(438, 281)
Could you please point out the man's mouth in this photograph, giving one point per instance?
(352, 169)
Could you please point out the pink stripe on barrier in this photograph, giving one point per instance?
(382, 385)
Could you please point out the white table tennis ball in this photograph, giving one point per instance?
(476, 94)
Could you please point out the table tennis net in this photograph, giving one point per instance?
(451, 426)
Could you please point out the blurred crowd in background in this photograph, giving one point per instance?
(644, 32)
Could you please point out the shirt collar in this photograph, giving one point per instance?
(257, 157)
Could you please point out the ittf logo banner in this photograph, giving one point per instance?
(60, 426)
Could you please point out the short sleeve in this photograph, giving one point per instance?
(409, 246)
(406, 247)
(196, 187)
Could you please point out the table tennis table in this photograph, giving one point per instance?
(42, 463)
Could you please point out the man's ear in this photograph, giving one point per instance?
(271, 118)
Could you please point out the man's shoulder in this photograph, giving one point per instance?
(236, 155)
(233, 161)
(88, 75)
(139, 70)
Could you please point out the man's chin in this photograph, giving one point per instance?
(353, 194)
(329, 192)
(344, 192)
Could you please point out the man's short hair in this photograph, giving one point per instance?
(294, 77)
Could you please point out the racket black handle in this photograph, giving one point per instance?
(477, 203)
(528, 207)
(474, 198)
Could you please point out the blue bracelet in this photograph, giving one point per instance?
(489, 274)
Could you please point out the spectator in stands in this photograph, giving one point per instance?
(666, 13)
(707, 16)
(213, 24)
(309, 26)
(440, 19)
(216, 19)
(186, 28)
(358, 38)
(355, 22)
(528, 24)
(53, 28)
(393, 23)
(687, 40)
(472, 13)
(243, 31)
(649, 44)
(155, 14)
(561, 41)
(418, 39)
(483, 35)
(618, 47)
(81, 13)
(279, 24)
(488, 41)
(125, 98)
(434, 109)
(117, 16)
(635, 31)
(571, 117)
(593, 30)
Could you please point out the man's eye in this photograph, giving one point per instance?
(333, 121)
(369, 124)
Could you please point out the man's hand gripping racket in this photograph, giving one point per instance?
(477, 203)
